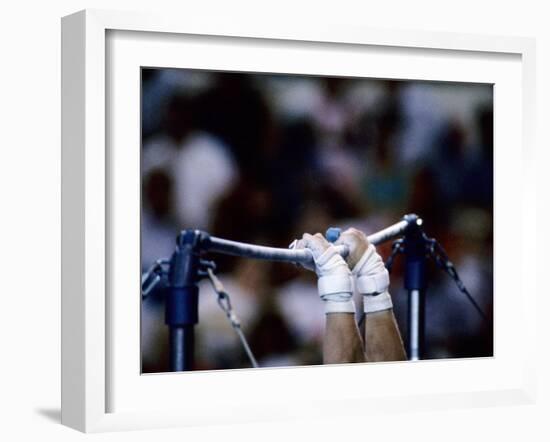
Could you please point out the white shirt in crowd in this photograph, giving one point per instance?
(202, 170)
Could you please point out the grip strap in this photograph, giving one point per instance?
(377, 303)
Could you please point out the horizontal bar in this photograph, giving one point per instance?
(300, 256)
(388, 233)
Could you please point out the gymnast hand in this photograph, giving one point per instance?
(334, 283)
(382, 337)
(342, 341)
(371, 277)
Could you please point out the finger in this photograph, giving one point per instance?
(345, 237)
(297, 244)
(307, 240)
(354, 235)
(321, 239)
(317, 240)
(314, 243)
(310, 240)
(353, 232)
(342, 240)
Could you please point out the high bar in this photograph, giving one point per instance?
(301, 256)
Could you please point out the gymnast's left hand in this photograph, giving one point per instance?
(334, 276)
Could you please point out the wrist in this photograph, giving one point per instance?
(372, 277)
(373, 284)
(336, 292)
(333, 305)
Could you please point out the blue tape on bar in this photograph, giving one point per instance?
(333, 233)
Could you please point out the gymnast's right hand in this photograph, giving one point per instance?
(372, 278)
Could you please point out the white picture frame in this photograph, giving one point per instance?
(87, 205)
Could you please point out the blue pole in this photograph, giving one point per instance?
(182, 299)
(415, 283)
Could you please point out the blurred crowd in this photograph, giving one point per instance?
(263, 158)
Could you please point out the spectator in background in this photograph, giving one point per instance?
(158, 227)
(339, 167)
(449, 164)
(158, 87)
(203, 170)
(160, 150)
(158, 234)
(479, 181)
(422, 117)
(199, 163)
(384, 183)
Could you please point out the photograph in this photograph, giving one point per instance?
(266, 200)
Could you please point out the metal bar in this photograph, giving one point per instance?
(415, 326)
(181, 348)
(388, 233)
(302, 256)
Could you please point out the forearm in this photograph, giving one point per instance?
(342, 343)
(382, 337)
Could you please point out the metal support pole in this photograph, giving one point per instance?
(182, 340)
(182, 299)
(416, 324)
(415, 284)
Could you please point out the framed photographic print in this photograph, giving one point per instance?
(199, 163)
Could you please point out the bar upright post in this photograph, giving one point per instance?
(415, 284)
(182, 299)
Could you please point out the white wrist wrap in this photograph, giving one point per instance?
(334, 283)
(377, 303)
(340, 306)
(336, 291)
(363, 264)
(373, 284)
(331, 284)
(372, 276)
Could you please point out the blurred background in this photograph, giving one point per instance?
(263, 158)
